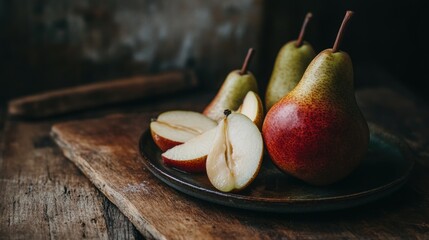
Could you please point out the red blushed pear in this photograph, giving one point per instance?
(317, 132)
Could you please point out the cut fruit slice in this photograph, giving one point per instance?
(191, 156)
(236, 155)
(252, 107)
(176, 127)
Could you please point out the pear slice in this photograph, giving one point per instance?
(252, 108)
(176, 127)
(236, 155)
(191, 156)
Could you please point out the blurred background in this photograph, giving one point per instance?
(50, 44)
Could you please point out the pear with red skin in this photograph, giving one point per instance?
(317, 132)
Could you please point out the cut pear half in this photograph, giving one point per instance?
(176, 127)
(191, 156)
(236, 155)
(252, 107)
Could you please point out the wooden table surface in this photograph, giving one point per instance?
(43, 195)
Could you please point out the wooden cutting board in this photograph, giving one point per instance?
(106, 151)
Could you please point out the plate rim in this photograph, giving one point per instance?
(233, 199)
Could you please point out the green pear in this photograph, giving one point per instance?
(291, 62)
(232, 91)
(317, 132)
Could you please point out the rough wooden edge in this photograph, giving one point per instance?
(101, 93)
(126, 207)
(2, 130)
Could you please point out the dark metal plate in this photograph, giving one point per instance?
(384, 169)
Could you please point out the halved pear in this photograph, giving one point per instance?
(191, 156)
(236, 155)
(176, 127)
(252, 107)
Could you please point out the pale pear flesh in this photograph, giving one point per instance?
(175, 127)
(173, 133)
(236, 154)
(252, 108)
(218, 165)
(189, 121)
(191, 156)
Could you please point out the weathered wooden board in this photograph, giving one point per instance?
(105, 150)
(35, 176)
(101, 93)
(43, 195)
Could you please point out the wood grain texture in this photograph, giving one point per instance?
(118, 226)
(29, 159)
(44, 196)
(106, 152)
(102, 93)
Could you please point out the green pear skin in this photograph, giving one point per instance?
(317, 132)
(231, 94)
(289, 67)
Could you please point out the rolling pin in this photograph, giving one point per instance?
(101, 93)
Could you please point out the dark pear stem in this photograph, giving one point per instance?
(346, 19)
(227, 112)
(246, 61)
(303, 28)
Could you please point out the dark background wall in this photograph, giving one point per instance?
(48, 44)
(384, 36)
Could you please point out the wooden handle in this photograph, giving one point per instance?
(97, 94)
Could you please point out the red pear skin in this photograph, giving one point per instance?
(317, 132)
(191, 166)
(163, 143)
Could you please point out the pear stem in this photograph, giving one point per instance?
(246, 61)
(227, 112)
(339, 38)
(303, 28)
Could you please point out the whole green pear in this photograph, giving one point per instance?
(232, 92)
(291, 62)
(317, 132)
(289, 67)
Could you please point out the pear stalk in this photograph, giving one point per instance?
(227, 112)
(246, 61)
(303, 28)
(340, 34)
(317, 132)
